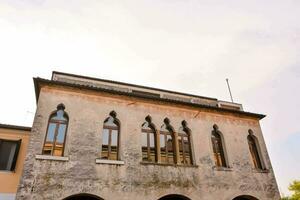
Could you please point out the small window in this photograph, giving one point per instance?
(110, 138)
(254, 151)
(167, 147)
(148, 141)
(184, 143)
(56, 132)
(9, 150)
(218, 148)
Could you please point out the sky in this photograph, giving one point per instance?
(190, 46)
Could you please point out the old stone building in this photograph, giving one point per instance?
(100, 139)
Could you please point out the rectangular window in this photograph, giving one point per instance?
(9, 150)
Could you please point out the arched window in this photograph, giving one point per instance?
(184, 143)
(148, 141)
(254, 151)
(167, 147)
(218, 148)
(56, 132)
(110, 138)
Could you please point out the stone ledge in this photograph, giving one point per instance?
(166, 164)
(110, 162)
(222, 168)
(56, 158)
(255, 170)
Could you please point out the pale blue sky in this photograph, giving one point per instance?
(182, 45)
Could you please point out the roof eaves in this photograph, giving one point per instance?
(130, 84)
(9, 126)
(79, 86)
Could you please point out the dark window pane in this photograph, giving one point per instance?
(152, 154)
(7, 153)
(104, 152)
(144, 154)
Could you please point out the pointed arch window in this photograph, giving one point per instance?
(254, 151)
(148, 141)
(110, 138)
(167, 146)
(184, 144)
(218, 147)
(56, 132)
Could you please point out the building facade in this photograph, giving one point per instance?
(100, 139)
(13, 145)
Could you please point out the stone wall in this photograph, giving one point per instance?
(52, 179)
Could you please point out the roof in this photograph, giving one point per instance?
(129, 84)
(39, 82)
(21, 128)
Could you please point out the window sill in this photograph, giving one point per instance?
(255, 170)
(222, 168)
(109, 162)
(56, 158)
(7, 172)
(166, 164)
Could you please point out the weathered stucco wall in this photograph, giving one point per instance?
(45, 179)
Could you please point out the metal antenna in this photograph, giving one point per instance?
(229, 89)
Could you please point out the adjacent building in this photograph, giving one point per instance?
(101, 139)
(13, 145)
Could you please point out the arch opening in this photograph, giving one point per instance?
(245, 197)
(83, 196)
(174, 197)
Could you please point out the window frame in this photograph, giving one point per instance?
(57, 125)
(16, 154)
(149, 131)
(168, 131)
(112, 115)
(222, 148)
(257, 160)
(181, 136)
(110, 129)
